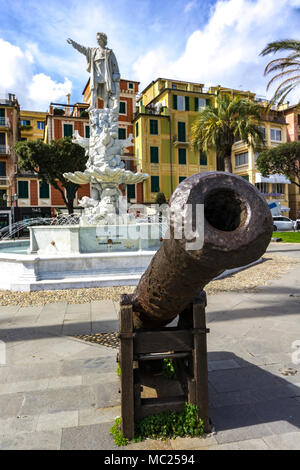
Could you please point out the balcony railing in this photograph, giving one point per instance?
(180, 140)
(4, 150)
(4, 122)
(4, 181)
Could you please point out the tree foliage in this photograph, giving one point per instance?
(51, 161)
(233, 118)
(283, 159)
(286, 69)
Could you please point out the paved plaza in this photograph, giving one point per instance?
(59, 392)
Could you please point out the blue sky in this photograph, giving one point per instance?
(207, 41)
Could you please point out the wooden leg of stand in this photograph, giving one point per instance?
(200, 364)
(126, 365)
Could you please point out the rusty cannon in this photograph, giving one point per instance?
(229, 225)
(237, 230)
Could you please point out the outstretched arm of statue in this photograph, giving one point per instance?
(78, 47)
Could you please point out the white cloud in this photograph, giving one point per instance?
(43, 90)
(189, 6)
(33, 90)
(226, 51)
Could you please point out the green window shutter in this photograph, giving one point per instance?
(2, 138)
(2, 112)
(130, 191)
(181, 178)
(187, 103)
(182, 156)
(44, 190)
(137, 129)
(246, 177)
(122, 133)
(154, 184)
(2, 169)
(153, 154)
(174, 101)
(68, 130)
(122, 107)
(196, 102)
(87, 132)
(203, 158)
(23, 192)
(181, 131)
(153, 126)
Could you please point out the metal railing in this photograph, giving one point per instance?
(4, 181)
(4, 150)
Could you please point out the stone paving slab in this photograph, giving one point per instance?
(57, 391)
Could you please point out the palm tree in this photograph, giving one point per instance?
(233, 118)
(288, 68)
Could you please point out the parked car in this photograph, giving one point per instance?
(283, 224)
(297, 224)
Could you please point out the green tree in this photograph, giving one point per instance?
(286, 69)
(51, 161)
(233, 118)
(283, 159)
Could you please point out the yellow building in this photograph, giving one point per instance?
(162, 128)
(32, 125)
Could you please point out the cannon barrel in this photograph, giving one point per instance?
(237, 230)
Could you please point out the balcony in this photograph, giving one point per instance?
(4, 181)
(4, 122)
(180, 141)
(4, 150)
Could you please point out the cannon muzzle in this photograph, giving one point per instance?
(232, 227)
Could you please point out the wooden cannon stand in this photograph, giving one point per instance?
(186, 346)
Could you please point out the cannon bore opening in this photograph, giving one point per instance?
(224, 210)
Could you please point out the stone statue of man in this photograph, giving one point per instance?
(103, 69)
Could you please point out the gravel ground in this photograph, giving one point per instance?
(249, 280)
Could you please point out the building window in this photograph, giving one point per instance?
(122, 133)
(275, 135)
(2, 169)
(278, 188)
(174, 86)
(154, 184)
(181, 132)
(298, 119)
(241, 159)
(25, 122)
(200, 104)
(68, 130)
(23, 192)
(182, 156)
(44, 190)
(130, 191)
(153, 126)
(40, 125)
(137, 129)
(262, 187)
(130, 86)
(263, 129)
(246, 177)
(87, 132)
(181, 178)
(122, 107)
(203, 158)
(153, 154)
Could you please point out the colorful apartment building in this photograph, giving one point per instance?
(292, 117)
(32, 125)
(162, 126)
(9, 135)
